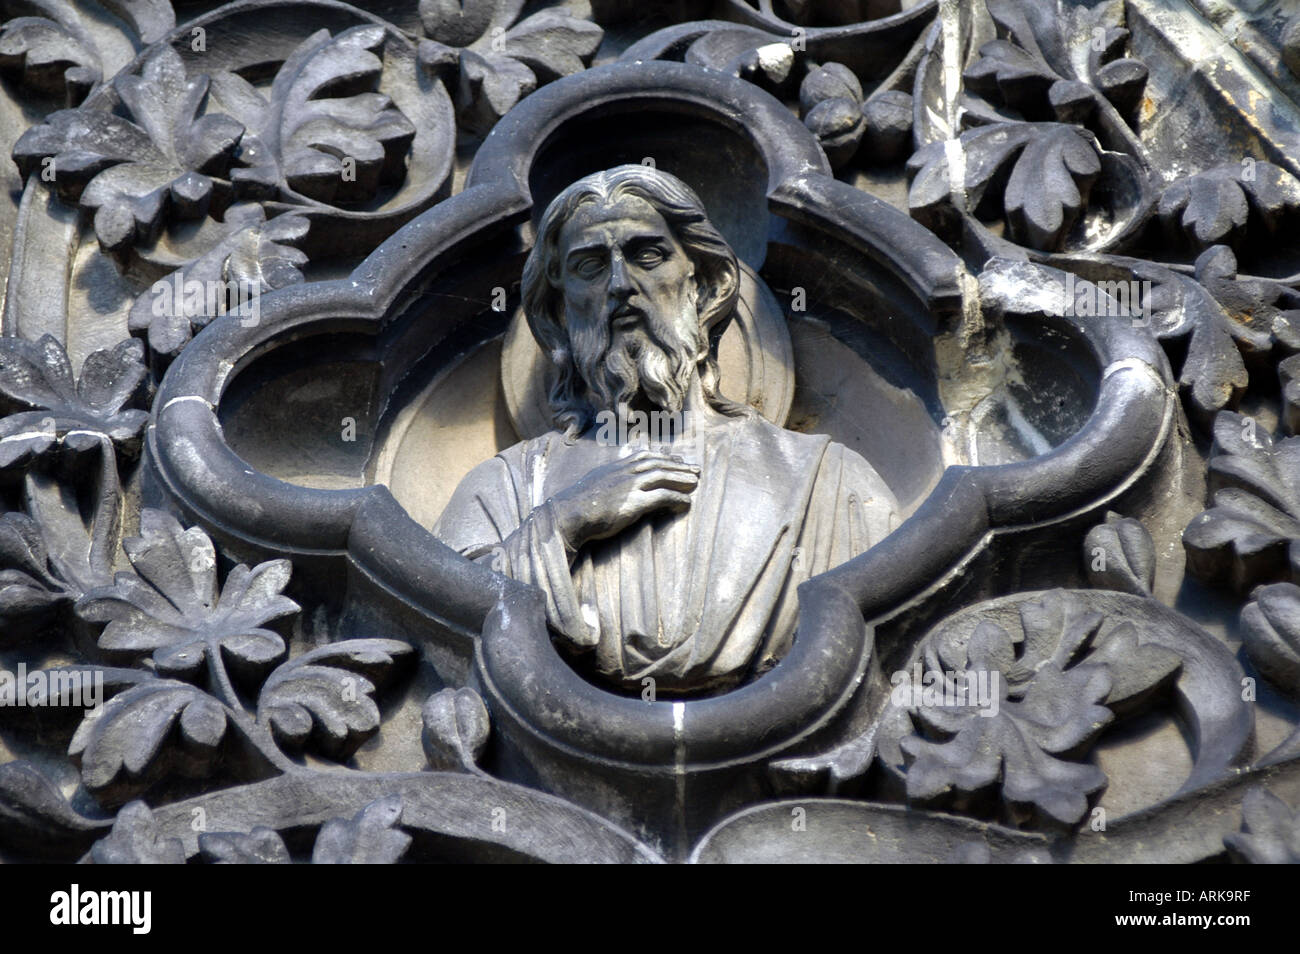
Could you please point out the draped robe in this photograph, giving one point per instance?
(697, 599)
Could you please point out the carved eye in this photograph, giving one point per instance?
(649, 256)
(588, 266)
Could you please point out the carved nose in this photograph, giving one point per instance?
(620, 285)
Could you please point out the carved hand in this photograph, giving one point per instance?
(616, 495)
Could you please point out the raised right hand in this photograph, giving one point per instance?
(615, 495)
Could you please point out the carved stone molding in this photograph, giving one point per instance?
(1023, 268)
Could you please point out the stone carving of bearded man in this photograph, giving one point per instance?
(679, 560)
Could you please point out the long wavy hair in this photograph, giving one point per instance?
(717, 278)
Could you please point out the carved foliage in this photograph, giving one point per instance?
(323, 110)
(490, 64)
(190, 146)
(1270, 831)
(1215, 206)
(47, 57)
(1052, 168)
(325, 696)
(455, 729)
(166, 158)
(170, 607)
(372, 836)
(1252, 532)
(1049, 690)
(1037, 69)
(57, 411)
(204, 640)
(1120, 555)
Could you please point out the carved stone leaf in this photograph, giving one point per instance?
(1048, 186)
(497, 64)
(167, 104)
(1054, 166)
(1120, 555)
(371, 837)
(138, 171)
(256, 257)
(1006, 71)
(308, 132)
(1213, 375)
(1241, 540)
(22, 547)
(109, 378)
(1271, 631)
(1058, 40)
(46, 57)
(1061, 629)
(66, 694)
(553, 43)
(130, 172)
(1207, 207)
(461, 22)
(1057, 630)
(26, 604)
(1214, 206)
(1058, 711)
(1248, 457)
(1250, 534)
(1270, 832)
(1136, 668)
(1288, 373)
(490, 84)
(180, 567)
(267, 258)
(75, 416)
(261, 846)
(1049, 28)
(81, 551)
(32, 807)
(455, 729)
(324, 696)
(36, 375)
(135, 840)
(1253, 307)
(145, 733)
(169, 605)
(82, 144)
(1057, 683)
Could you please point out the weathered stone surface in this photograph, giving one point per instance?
(497, 431)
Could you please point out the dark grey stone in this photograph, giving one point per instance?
(974, 540)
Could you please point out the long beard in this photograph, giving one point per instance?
(654, 358)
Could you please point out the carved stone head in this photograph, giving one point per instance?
(628, 289)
